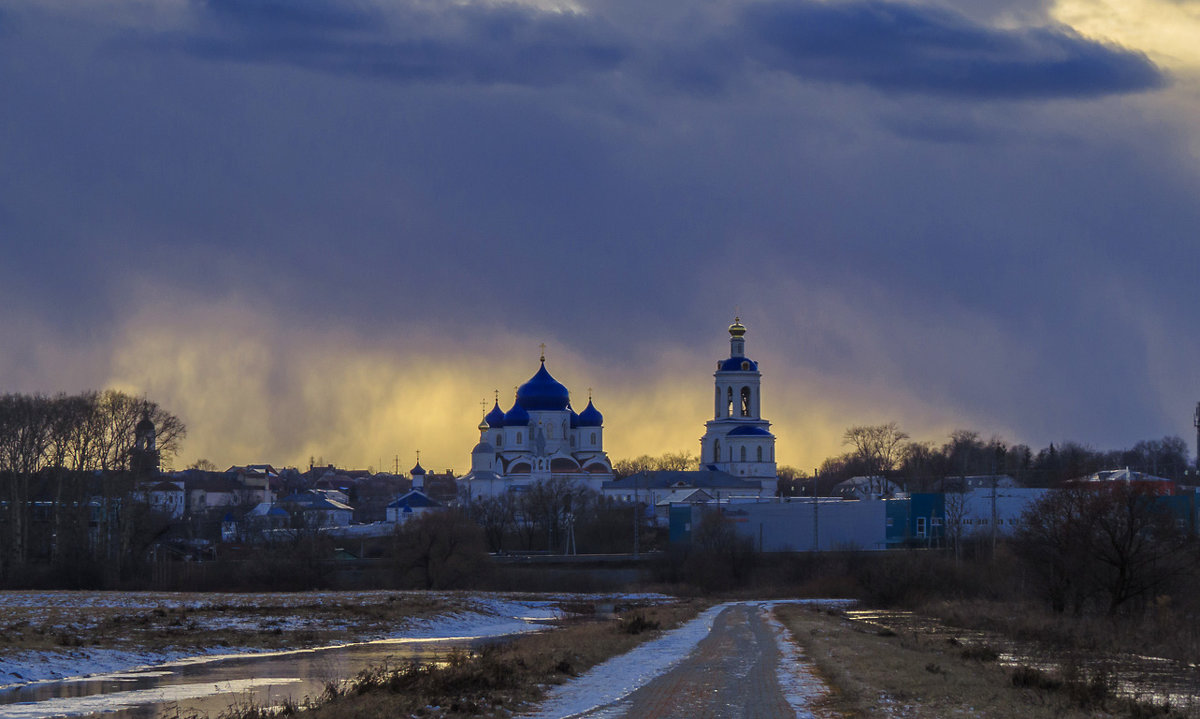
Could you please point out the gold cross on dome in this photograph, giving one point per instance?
(543, 346)
(589, 394)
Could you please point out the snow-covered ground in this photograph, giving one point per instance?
(468, 616)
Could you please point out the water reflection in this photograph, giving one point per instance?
(209, 685)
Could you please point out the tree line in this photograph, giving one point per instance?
(924, 466)
(65, 483)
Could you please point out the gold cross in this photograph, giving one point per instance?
(543, 346)
(589, 394)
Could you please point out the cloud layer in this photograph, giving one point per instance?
(328, 228)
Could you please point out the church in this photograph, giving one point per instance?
(540, 437)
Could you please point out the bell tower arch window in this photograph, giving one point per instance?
(743, 454)
(729, 402)
(760, 454)
(745, 401)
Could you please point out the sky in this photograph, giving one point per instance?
(329, 229)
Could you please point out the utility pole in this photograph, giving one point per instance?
(1196, 423)
(636, 523)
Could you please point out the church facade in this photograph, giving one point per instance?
(540, 437)
(737, 439)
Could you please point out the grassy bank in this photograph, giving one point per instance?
(880, 673)
(495, 681)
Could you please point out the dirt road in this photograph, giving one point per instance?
(744, 667)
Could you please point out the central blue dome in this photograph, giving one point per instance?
(517, 416)
(543, 392)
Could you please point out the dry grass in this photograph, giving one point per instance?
(1163, 630)
(881, 673)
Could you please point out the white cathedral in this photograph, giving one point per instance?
(541, 437)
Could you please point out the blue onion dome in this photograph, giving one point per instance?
(737, 364)
(737, 329)
(590, 416)
(574, 417)
(542, 392)
(495, 418)
(747, 430)
(417, 470)
(516, 417)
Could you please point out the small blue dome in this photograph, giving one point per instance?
(748, 431)
(516, 417)
(495, 418)
(417, 470)
(590, 416)
(574, 417)
(484, 447)
(737, 364)
(543, 392)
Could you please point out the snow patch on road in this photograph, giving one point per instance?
(800, 686)
(612, 680)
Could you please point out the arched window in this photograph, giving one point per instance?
(760, 454)
(550, 431)
(518, 437)
(731, 454)
(499, 440)
(745, 401)
(593, 438)
(716, 450)
(729, 402)
(564, 428)
(717, 401)
(743, 454)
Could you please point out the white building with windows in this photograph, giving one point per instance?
(737, 439)
(540, 437)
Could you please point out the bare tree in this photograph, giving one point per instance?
(1115, 541)
(878, 447)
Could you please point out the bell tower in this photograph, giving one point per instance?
(737, 439)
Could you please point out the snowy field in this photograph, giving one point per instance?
(443, 615)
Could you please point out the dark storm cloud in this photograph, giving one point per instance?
(464, 43)
(904, 48)
(887, 46)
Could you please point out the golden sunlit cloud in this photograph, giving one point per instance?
(255, 388)
(1166, 30)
